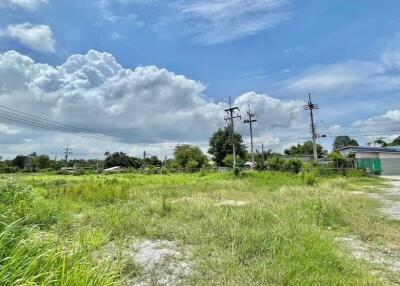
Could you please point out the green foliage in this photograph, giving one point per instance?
(275, 163)
(338, 160)
(221, 145)
(192, 165)
(284, 235)
(343, 141)
(236, 172)
(164, 171)
(25, 260)
(190, 157)
(292, 165)
(396, 142)
(121, 159)
(309, 178)
(228, 161)
(16, 197)
(304, 149)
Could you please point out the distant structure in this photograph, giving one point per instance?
(379, 160)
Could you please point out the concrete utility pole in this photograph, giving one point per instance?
(67, 152)
(233, 112)
(250, 121)
(311, 106)
(144, 155)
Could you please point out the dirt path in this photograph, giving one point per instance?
(385, 261)
(390, 197)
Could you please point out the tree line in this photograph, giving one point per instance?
(191, 157)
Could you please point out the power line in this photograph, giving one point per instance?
(25, 119)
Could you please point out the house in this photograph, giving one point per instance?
(380, 160)
(249, 165)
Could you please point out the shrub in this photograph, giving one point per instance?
(236, 172)
(275, 163)
(292, 165)
(15, 196)
(150, 169)
(164, 171)
(310, 178)
(192, 165)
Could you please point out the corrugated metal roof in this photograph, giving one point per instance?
(361, 149)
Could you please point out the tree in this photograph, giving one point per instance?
(151, 161)
(117, 159)
(221, 145)
(343, 141)
(304, 149)
(381, 142)
(185, 154)
(396, 142)
(19, 161)
(43, 162)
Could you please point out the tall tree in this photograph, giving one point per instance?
(221, 145)
(117, 159)
(185, 154)
(304, 149)
(344, 141)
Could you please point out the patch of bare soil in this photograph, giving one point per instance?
(231, 203)
(160, 262)
(381, 257)
(390, 198)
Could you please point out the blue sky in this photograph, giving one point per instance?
(346, 53)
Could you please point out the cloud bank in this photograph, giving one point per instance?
(94, 91)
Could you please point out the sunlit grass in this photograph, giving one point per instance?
(283, 235)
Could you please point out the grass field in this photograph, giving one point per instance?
(258, 229)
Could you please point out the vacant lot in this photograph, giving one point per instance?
(194, 229)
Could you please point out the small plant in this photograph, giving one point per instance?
(310, 178)
(164, 171)
(166, 205)
(236, 172)
(16, 196)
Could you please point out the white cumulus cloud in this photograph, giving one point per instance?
(94, 91)
(36, 37)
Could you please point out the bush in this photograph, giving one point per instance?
(275, 163)
(292, 165)
(310, 178)
(15, 197)
(192, 165)
(236, 172)
(150, 169)
(164, 171)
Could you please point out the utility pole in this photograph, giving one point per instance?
(67, 152)
(262, 148)
(233, 112)
(311, 106)
(250, 121)
(144, 155)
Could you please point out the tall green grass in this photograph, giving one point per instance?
(284, 235)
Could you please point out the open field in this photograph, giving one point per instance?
(194, 229)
